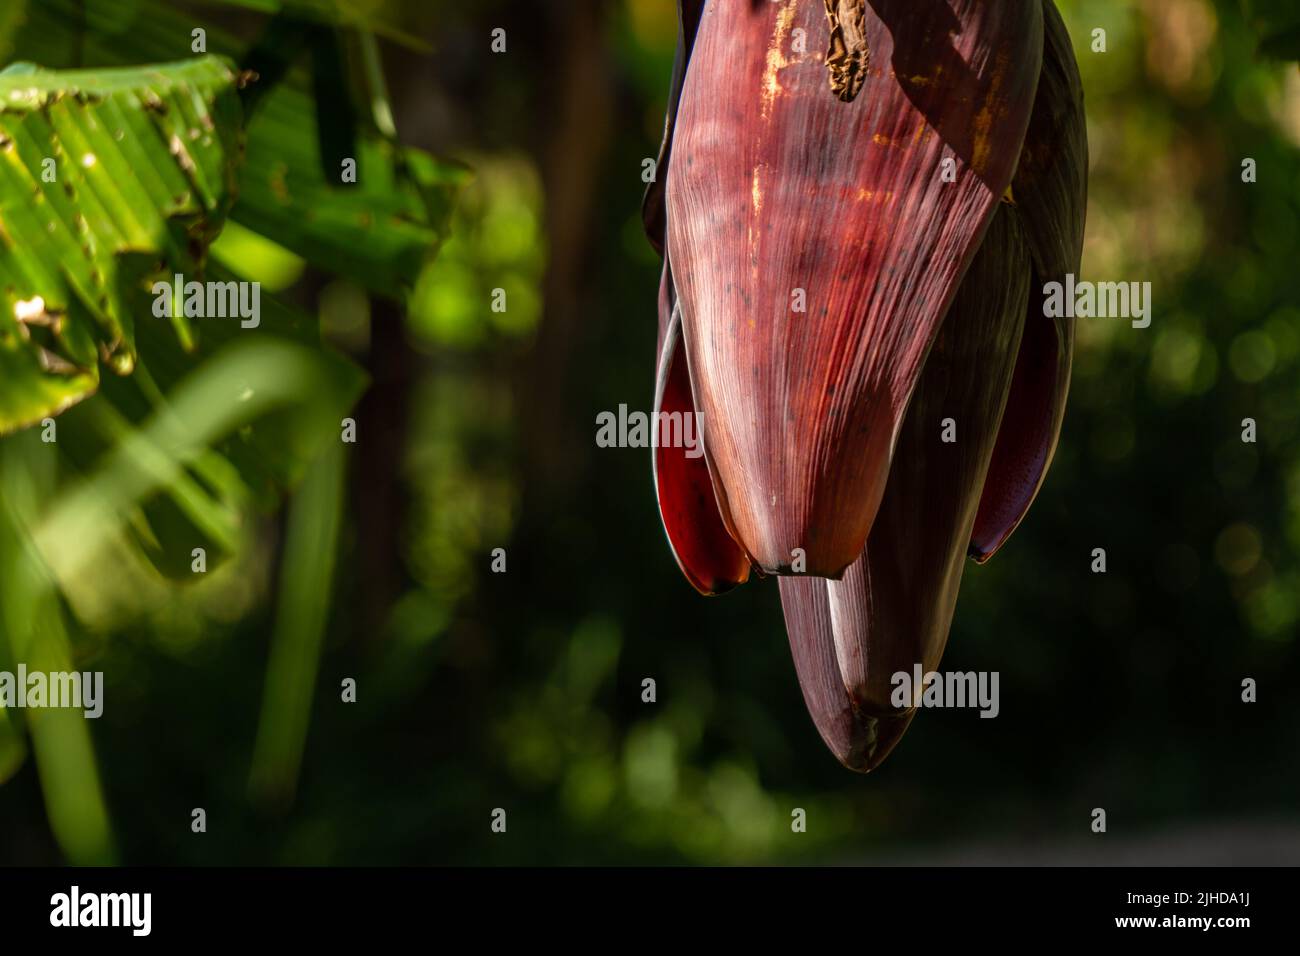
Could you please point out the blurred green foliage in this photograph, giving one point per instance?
(523, 690)
(188, 437)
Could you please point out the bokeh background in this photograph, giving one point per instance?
(523, 690)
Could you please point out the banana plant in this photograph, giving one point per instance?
(859, 203)
(126, 432)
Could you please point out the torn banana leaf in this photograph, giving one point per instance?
(379, 231)
(109, 179)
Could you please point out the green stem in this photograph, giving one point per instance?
(380, 110)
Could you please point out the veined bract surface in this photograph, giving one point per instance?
(859, 202)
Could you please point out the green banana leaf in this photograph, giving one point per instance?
(109, 180)
(379, 232)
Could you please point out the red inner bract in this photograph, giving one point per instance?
(708, 556)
